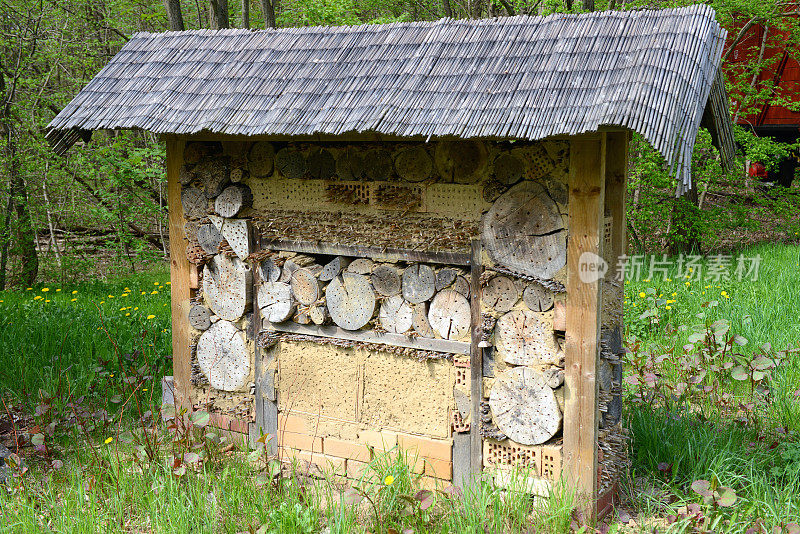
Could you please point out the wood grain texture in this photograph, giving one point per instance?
(180, 292)
(616, 175)
(524, 407)
(475, 361)
(586, 201)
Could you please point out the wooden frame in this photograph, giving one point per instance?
(586, 202)
(180, 277)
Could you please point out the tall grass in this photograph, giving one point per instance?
(53, 338)
(765, 310)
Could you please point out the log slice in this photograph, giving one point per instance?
(524, 407)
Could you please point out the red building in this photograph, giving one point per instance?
(781, 73)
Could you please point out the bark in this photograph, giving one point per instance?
(218, 15)
(246, 14)
(174, 15)
(269, 7)
(448, 11)
(588, 5)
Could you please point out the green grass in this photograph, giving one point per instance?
(766, 310)
(74, 348)
(733, 456)
(54, 338)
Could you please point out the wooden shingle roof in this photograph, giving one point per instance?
(519, 77)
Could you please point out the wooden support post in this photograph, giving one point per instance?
(584, 291)
(616, 171)
(475, 361)
(266, 402)
(180, 278)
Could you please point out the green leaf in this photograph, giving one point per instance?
(725, 496)
(200, 418)
(702, 487)
(37, 440)
(739, 340)
(739, 373)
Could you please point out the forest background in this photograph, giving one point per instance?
(102, 209)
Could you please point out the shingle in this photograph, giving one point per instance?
(521, 77)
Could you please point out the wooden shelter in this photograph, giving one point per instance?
(392, 236)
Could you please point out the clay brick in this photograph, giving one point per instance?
(300, 441)
(431, 483)
(293, 423)
(382, 441)
(439, 468)
(346, 449)
(219, 421)
(356, 469)
(439, 449)
(322, 461)
(240, 425)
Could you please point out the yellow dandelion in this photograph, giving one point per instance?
(37, 297)
(75, 292)
(144, 389)
(28, 289)
(167, 283)
(128, 314)
(45, 289)
(125, 295)
(668, 279)
(58, 290)
(154, 292)
(151, 316)
(674, 294)
(687, 284)
(73, 300)
(144, 293)
(136, 308)
(389, 480)
(667, 307)
(642, 295)
(109, 440)
(122, 309)
(165, 304)
(48, 300)
(111, 296)
(155, 283)
(102, 302)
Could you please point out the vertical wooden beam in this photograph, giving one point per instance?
(180, 277)
(584, 290)
(616, 172)
(475, 361)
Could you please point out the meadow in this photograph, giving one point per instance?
(712, 381)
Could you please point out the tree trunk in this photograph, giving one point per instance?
(588, 5)
(219, 14)
(269, 13)
(174, 15)
(448, 11)
(246, 14)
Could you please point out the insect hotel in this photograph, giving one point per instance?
(405, 236)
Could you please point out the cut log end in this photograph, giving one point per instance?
(524, 407)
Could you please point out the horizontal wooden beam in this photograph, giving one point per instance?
(370, 336)
(375, 253)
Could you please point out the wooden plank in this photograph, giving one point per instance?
(265, 398)
(462, 459)
(370, 336)
(180, 278)
(475, 361)
(586, 201)
(616, 172)
(375, 253)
